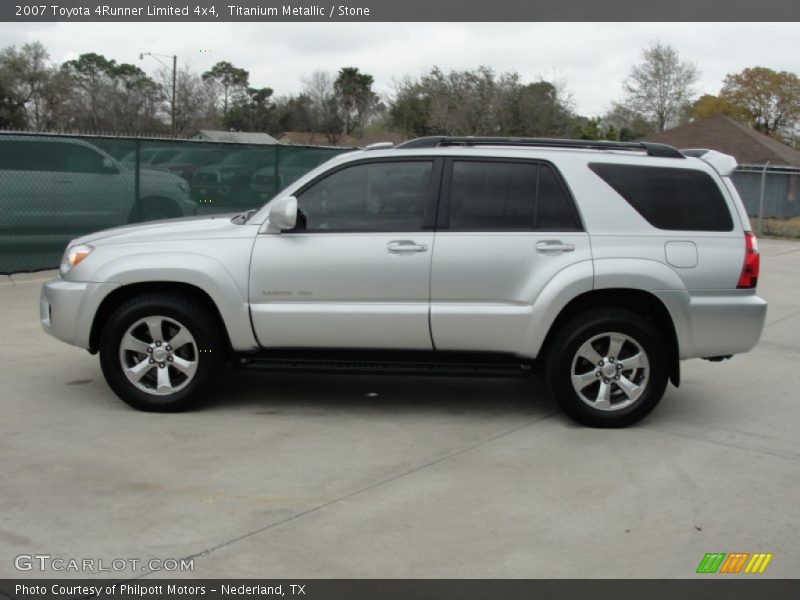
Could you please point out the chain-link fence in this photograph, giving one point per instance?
(771, 196)
(54, 188)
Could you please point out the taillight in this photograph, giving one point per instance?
(752, 262)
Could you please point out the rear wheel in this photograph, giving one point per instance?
(160, 353)
(607, 368)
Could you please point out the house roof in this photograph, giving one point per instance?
(724, 134)
(348, 141)
(310, 138)
(241, 137)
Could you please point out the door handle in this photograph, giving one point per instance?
(403, 246)
(548, 246)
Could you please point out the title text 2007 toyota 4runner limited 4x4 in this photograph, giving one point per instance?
(603, 263)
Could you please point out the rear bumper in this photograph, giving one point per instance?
(67, 309)
(716, 323)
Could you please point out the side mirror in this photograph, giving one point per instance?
(282, 214)
(109, 166)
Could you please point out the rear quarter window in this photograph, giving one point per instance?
(669, 198)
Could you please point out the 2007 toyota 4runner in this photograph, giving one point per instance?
(602, 263)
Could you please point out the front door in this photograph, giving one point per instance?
(355, 271)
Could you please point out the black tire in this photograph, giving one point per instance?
(207, 352)
(620, 410)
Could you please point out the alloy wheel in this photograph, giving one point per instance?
(158, 355)
(610, 371)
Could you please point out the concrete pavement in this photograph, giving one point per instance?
(298, 476)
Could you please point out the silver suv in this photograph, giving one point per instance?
(603, 264)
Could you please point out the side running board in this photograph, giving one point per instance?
(477, 365)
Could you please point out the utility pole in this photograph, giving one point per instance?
(174, 58)
(174, 81)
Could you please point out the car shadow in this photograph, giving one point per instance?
(266, 391)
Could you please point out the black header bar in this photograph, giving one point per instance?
(399, 10)
(709, 587)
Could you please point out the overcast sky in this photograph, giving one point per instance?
(590, 58)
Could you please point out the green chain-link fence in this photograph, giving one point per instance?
(54, 188)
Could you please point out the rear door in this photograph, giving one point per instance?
(506, 228)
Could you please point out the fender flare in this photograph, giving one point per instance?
(633, 274)
(197, 270)
(567, 284)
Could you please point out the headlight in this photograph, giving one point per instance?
(74, 255)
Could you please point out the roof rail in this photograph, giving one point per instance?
(379, 146)
(437, 141)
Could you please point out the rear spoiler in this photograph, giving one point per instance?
(724, 164)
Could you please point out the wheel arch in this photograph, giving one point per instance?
(644, 303)
(196, 274)
(126, 292)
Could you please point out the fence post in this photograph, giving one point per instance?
(761, 199)
(277, 170)
(136, 164)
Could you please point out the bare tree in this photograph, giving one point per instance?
(625, 124)
(90, 80)
(195, 100)
(479, 102)
(661, 85)
(319, 88)
(134, 100)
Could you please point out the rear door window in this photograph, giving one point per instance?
(31, 155)
(669, 198)
(508, 196)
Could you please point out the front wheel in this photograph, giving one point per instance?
(159, 352)
(607, 368)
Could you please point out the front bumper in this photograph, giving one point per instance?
(67, 309)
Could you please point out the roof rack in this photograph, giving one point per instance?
(437, 141)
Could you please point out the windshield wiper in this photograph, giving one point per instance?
(241, 218)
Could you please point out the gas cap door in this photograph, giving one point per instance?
(681, 254)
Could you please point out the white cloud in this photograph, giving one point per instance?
(591, 58)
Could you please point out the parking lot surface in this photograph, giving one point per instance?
(300, 476)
